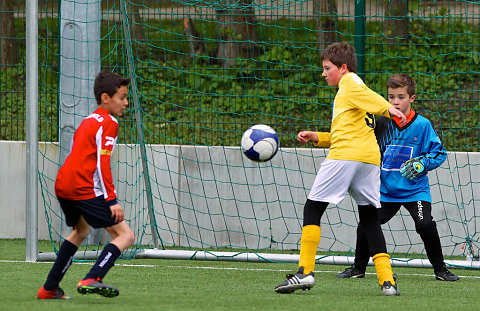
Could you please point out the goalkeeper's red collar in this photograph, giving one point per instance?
(410, 116)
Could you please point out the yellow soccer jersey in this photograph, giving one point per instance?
(351, 135)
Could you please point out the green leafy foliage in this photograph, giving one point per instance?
(190, 98)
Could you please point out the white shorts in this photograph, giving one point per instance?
(337, 177)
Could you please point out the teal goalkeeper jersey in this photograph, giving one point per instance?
(397, 145)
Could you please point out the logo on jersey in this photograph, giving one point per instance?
(420, 210)
(95, 116)
(105, 152)
(110, 141)
(394, 156)
(415, 141)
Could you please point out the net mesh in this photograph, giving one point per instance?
(207, 70)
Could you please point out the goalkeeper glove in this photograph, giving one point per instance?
(412, 168)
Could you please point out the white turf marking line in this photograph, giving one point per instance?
(225, 268)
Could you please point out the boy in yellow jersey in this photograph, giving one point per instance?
(352, 165)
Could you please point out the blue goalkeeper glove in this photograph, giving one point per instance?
(412, 168)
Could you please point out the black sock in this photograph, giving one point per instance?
(61, 264)
(106, 260)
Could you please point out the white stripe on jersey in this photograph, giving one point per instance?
(98, 184)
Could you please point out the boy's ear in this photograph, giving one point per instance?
(104, 98)
(343, 68)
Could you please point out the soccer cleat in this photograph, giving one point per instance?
(390, 290)
(95, 286)
(445, 275)
(296, 281)
(351, 273)
(52, 294)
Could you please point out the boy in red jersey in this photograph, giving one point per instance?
(85, 190)
(352, 165)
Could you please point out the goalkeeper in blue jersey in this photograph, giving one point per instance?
(408, 153)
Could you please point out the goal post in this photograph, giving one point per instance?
(31, 167)
(202, 74)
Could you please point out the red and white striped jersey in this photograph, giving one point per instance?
(86, 173)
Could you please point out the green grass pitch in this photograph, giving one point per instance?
(156, 284)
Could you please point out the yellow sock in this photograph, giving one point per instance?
(383, 267)
(308, 247)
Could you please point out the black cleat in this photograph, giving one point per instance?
(390, 290)
(351, 273)
(296, 281)
(445, 275)
(95, 286)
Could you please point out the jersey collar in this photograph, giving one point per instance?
(410, 116)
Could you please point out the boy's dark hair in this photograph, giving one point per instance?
(340, 53)
(108, 82)
(402, 80)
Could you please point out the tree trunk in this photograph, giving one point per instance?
(137, 31)
(396, 21)
(326, 22)
(195, 40)
(8, 44)
(237, 33)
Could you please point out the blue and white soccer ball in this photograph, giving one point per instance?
(260, 143)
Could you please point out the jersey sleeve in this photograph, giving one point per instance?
(434, 154)
(362, 97)
(108, 141)
(323, 140)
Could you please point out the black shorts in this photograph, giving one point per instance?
(95, 211)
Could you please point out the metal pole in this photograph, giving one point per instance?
(31, 240)
(360, 31)
(138, 119)
(79, 65)
(265, 257)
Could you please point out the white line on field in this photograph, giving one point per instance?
(225, 268)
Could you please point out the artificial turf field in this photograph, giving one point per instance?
(154, 284)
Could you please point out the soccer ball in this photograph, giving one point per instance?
(260, 143)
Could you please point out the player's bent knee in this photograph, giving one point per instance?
(125, 233)
(83, 235)
(130, 237)
(80, 233)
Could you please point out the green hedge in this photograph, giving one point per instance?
(196, 101)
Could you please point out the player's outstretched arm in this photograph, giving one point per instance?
(306, 136)
(397, 113)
